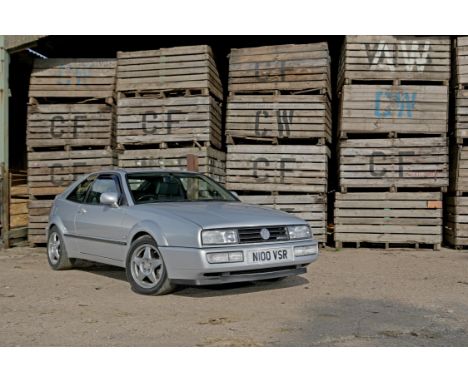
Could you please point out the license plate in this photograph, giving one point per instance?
(262, 256)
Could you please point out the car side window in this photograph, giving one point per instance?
(100, 186)
(78, 195)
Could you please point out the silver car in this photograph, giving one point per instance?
(169, 228)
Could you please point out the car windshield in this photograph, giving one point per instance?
(175, 187)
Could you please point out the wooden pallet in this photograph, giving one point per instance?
(18, 206)
(288, 168)
(287, 116)
(456, 229)
(461, 115)
(73, 77)
(143, 121)
(282, 68)
(394, 162)
(51, 172)
(388, 217)
(405, 109)
(70, 124)
(395, 58)
(311, 208)
(461, 62)
(210, 161)
(186, 69)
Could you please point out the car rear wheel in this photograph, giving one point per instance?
(145, 268)
(56, 252)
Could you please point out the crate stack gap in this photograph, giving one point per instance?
(456, 218)
(169, 110)
(70, 129)
(393, 142)
(278, 128)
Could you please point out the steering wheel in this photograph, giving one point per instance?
(147, 197)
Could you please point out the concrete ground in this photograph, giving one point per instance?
(351, 297)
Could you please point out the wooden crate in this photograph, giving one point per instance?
(70, 124)
(461, 114)
(19, 206)
(409, 109)
(395, 58)
(50, 172)
(388, 217)
(187, 69)
(38, 218)
(461, 61)
(459, 169)
(283, 116)
(211, 162)
(282, 68)
(456, 229)
(73, 77)
(393, 162)
(282, 168)
(177, 119)
(311, 208)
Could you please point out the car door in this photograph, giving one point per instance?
(98, 228)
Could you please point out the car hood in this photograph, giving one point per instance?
(222, 214)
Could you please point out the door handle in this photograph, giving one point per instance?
(81, 211)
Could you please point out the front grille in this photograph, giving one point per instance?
(252, 235)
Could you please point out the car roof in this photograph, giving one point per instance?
(135, 170)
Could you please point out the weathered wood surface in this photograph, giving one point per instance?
(73, 77)
(50, 172)
(288, 68)
(388, 217)
(410, 58)
(311, 208)
(167, 69)
(461, 61)
(288, 168)
(394, 162)
(456, 212)
(394, 109)
(272, 116)
(176, 119)
(38, 217)
(459, 169)
(461, 114)
(211, 162)
(70, 124)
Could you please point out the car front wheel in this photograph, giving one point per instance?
(56, 251)
(145, 268)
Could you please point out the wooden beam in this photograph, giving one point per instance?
(4, 183)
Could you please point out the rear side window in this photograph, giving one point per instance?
(78, 195)
(100, 186)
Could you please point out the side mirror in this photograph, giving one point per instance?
(234, 193)
(109, 199)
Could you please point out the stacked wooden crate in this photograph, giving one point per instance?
(169, 110)
(456, 233)
(393, 148)
(70, 129)
(278, 127)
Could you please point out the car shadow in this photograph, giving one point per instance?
(118, 273)
(240, 288)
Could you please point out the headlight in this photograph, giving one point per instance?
(225, 236)
(299, 232)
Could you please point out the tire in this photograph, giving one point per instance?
(145, 268)
(57, 255)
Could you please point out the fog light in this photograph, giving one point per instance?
(219, 257)
(306, 250)
(225, 257)
(236, 257)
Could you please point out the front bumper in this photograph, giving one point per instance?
(189, 266)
